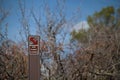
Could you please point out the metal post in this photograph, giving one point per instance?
(34, 58)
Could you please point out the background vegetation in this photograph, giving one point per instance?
(92, 54)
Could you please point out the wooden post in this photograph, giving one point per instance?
(34, 58)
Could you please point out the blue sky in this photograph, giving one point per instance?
(86, 7)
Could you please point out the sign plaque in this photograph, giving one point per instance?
(33, 45)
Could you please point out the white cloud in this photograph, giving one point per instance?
(80, 25)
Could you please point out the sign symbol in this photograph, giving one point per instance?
(35, 42)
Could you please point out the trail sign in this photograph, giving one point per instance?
(34, 58)
(33, 45)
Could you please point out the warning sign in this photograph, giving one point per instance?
(33, 44)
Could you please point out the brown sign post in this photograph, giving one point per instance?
(34, 58)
